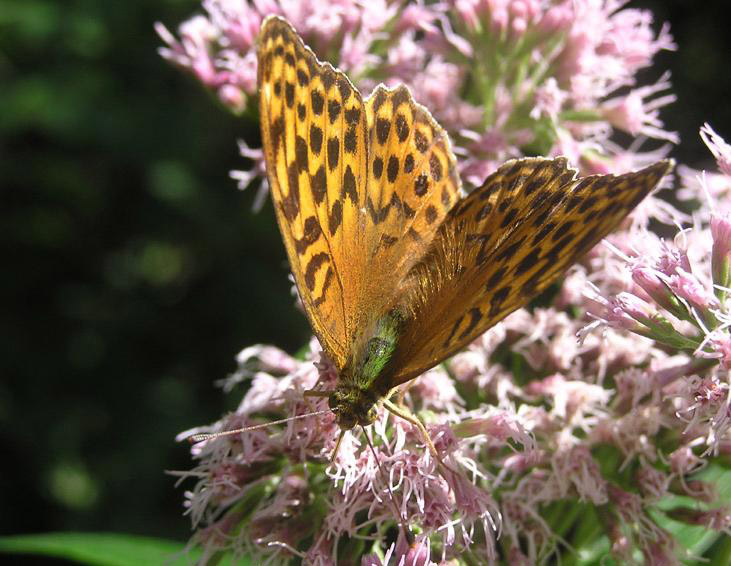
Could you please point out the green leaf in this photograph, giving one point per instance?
(698, 539)
(103, 549)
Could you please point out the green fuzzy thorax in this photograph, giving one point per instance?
(364, 381)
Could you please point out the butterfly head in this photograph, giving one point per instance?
(353, 406)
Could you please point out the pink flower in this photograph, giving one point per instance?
(549, 99)
(686, 286)
(257, 172)
(631, 38)
(499, 427)
(719, 148)
(721, 254)
(239, 21)
(650, 282)
(192, 50)
(638, 116)
(557, 18)
(467, 10)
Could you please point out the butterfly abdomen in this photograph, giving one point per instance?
(365, 379)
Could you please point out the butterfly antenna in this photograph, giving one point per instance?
(403, 525)
(195, 438)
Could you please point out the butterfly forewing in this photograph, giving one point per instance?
(413, 179)
(313, 129)
(491, 259)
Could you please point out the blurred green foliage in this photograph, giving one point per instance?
(134, 270)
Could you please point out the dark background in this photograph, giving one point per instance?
(133, 270)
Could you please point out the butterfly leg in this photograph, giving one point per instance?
(402, 391)
(316, 393)
(404, 413)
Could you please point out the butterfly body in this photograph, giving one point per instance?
(366, 377)
(397, 269)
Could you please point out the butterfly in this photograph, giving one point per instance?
(396, 267)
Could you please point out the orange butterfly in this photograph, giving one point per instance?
(396, 268)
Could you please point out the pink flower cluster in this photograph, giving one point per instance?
(676, 294)
(537, 433)
(526, 420)
(506, 78)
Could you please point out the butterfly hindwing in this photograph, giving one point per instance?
(490, 258)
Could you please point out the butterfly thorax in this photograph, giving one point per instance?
(364, 380)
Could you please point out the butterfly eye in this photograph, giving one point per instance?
(333, 401)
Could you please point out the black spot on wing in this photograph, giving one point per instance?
(313, 266)
(349, 190)
(509, 217)
(300, 152)
(333, 153)
(435, 166)
(498, 299)
(399, 97)
(431, 214)
(325, 286)
(484, 212)
(475, 316)
(318, 102)
(318, 182)
(421, 185)
(402, 128)
(495, 278)
(528, 262)
(333, 110)
(311, 235)
(562, 230)
(276, 132)
(377, 167)
(352, 116)
(422, 144)
(315, 139)
(379, 99)
(455, 326)
(350, 142)
(392, 169)
(383, 127)
(335, 217)
(543, 233)
(344, 88)
(328, 77)
(291, 202)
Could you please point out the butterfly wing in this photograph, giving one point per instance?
(504, 244)
(412, 180)
(359, 188)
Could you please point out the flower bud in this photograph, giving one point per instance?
(648, 279)
(721, 254)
